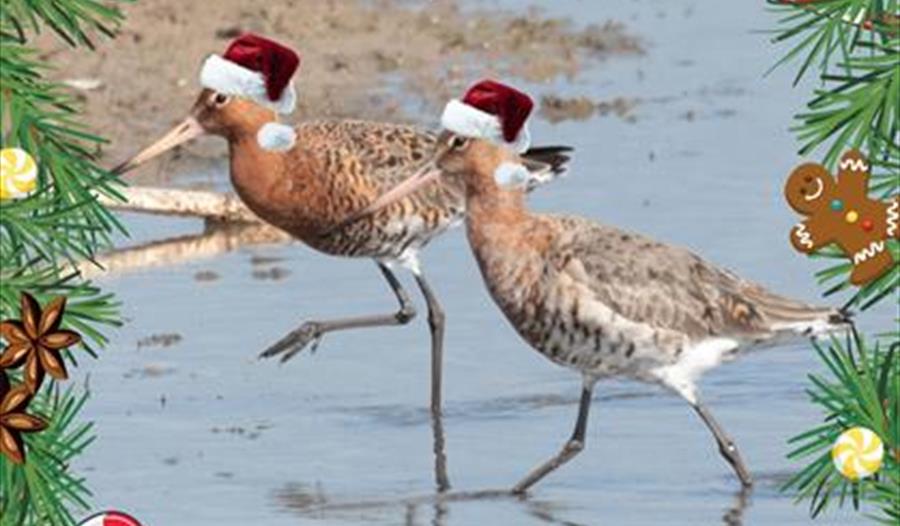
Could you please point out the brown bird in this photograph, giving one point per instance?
(603, 301)
(305, 180)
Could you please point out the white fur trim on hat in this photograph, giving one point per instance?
(469, 121)
(230, 78)
(276, 137)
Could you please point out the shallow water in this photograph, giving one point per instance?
(201, 433)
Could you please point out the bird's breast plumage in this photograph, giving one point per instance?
(544, 296)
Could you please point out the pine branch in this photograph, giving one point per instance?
(862, 110)
(74, 21)
(44, 233)
(862, 389)
(854, 46)
(45, 490)
(40, 118)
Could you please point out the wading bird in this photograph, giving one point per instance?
(603, 301)
(304, 180)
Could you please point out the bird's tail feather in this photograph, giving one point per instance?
(789, 316)
(546, 163)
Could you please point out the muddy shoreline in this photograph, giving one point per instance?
(388, 60)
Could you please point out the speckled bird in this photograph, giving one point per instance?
(306, 179)
(606, 302)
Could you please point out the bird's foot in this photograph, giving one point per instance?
(730, 451)
(308, 334)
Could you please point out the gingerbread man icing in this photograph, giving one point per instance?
(841, 211)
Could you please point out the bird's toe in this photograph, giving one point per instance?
(294, 342)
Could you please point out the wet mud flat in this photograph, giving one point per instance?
(380, 60)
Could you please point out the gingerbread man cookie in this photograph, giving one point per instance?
(841, 211)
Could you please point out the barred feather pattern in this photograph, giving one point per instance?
(609, 302)
(339, 167)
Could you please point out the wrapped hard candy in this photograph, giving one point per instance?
(857, 453)
(18, 174)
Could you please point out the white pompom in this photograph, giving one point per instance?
(276, 137)
(511, 175)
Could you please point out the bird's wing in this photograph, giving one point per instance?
(546, 164)
(669, 287)
(386, 153)
(390, 153)
(370, 158)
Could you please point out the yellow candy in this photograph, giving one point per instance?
(18, 174)
(857, 453)
(851, 216)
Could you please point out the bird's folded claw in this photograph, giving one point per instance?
(308, 334)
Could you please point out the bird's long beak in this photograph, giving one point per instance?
(188, 129)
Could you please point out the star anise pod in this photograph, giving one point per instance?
(14, 421)
(36, 341)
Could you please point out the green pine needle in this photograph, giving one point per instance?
(854, 47)
(44, 235)
(45, 490)
(862, 389)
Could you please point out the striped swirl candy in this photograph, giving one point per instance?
(18, 174)
(857, 453)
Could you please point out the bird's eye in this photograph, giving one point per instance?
(220, 99)
(458, 143)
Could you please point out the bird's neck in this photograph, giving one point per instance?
(489, 200)
(271, 182)
(254, 170)
(493, 214)
(284, 188)
(507, 242)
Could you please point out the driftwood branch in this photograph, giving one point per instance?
(189, 203)
(230, 224)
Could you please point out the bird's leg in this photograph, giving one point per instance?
(569, 450)
(727, 447)
(312, 331)
(436, 320)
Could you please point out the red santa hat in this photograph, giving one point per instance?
(493, 111)
(256, 68)
(261, 70)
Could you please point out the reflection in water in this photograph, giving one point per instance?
(306, 503)
(441, 480)
(403, 415)
(315, 504)
(441, 512)
(547, 512)
(734, 516)
(216, 239)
